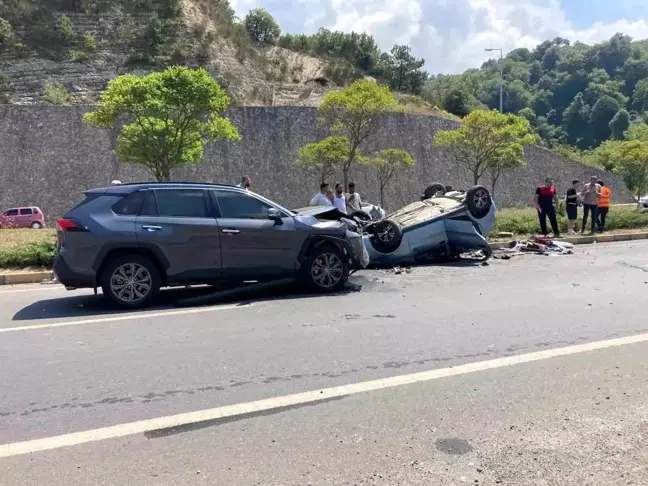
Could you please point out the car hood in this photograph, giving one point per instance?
(319, 210)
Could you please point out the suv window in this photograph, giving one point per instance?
(129, 205)
(179, 203)
(26, 211)
(11, 212)
(241, 206)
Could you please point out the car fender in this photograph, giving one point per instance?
(106, 249)
(314, 241)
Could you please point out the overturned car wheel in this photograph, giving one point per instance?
(479, 201)
(433, 190)
(326, 269)
(386, 236)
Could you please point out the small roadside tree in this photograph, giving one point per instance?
(632, 159)
(386, 164)
(488, 140)
(321, 159)
(169, 116)
(262, 27)
(354, 113)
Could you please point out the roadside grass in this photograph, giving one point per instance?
(22, 248)
(524, 221)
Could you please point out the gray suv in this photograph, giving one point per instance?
(133, 239)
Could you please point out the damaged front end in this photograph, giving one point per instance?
(332, 224)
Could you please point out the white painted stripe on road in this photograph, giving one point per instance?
(142, 426)
(38, 289)
(128, 317)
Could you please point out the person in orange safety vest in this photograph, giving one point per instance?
(603, 205)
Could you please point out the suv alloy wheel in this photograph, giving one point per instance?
(326, 269)
(131, 281)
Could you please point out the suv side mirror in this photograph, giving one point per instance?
(275, 215)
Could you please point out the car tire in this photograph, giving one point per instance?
(326, 269)
(386, 236)
(433, 189)
(479, 201)
(36, 225)
(122, 269)
(361, 215)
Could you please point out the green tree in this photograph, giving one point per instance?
(7, 36)
(576, 123)
(387, 163)
(355, 113)
(170, 116)
(602, 113)
(487, 139)
(262, 26)
(529, 114)
(403, 71)
(619, 124)
(640, 96)
(458, 102)
(632, 156)
(64, 30)
(321, 159)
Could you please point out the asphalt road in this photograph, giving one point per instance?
(530, 371)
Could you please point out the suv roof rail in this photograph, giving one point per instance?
(179, 183)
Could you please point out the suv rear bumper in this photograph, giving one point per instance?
(68, 277)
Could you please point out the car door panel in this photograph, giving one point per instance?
(253, 246)
(190, 244)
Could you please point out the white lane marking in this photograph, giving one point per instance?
(14, 291)
(128, 317)
(122, 430)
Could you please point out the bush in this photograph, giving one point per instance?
(38, 254)
(56, 94)
(89, 43)
(75, 55)
(525, 221)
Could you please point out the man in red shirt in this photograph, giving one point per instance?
(545, 197)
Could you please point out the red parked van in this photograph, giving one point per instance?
(22, 218)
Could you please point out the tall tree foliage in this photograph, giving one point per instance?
(169, 116)
(580, 93)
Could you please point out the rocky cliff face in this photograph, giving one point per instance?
(250, 74)
(48, 157)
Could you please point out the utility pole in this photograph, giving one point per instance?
(501, 76)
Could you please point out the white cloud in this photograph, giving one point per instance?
(450, 35)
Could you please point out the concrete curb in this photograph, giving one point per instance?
(586, 240)
(24, 277)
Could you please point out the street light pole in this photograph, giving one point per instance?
(501, 76)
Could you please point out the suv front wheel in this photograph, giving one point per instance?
(326, 269)
(131, 281)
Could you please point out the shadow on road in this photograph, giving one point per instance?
(88, 306)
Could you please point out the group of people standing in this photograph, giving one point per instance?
(347, 203)
(594, 197)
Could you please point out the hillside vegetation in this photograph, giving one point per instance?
(572, 94)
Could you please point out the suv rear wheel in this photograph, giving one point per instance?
(326, 269)
(131, 281)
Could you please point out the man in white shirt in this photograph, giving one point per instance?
(339, 201)
(320, 198)
(246, 182)
(353, 200)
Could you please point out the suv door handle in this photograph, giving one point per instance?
(231, 231)
(149, 227)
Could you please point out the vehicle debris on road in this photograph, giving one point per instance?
(540, 245)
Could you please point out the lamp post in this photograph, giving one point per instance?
(501, 75)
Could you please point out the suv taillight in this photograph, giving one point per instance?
(69, 225)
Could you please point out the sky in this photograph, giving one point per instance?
(451, 35)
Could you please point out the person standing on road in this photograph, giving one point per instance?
(590, 196)
(246, 182)
(321, 198)
(339, 201)
(603, 205)
(353, 200)
(571, 204)
(545, 197)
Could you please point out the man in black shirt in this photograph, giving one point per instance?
(544, 199)
(572, 207)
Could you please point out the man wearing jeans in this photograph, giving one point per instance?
(544, 200)
(590, 197)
